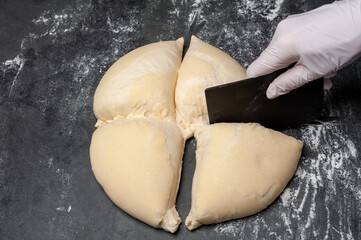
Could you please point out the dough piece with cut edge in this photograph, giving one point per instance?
(240, 170)
(138, 163)
(203, 66)
(141, 83)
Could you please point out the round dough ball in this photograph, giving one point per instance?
(138, 163)
(141, 83)
(203, 66)
(240, 170)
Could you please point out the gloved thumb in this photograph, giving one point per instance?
(293, 78)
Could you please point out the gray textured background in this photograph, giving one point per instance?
(52, 56)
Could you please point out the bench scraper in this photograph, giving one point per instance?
(246, 101)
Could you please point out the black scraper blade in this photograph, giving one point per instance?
(246, 101)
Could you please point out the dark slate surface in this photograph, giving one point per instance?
(52, 56)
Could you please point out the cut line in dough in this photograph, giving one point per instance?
(203, 66)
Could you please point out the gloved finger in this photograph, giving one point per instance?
(293, 78)
(327, 84)
(270, 60)
(330, 75)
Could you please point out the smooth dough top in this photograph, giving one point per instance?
(203, 66)
(240, 170)
(138, 162)
(141, 83)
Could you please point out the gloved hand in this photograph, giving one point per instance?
(321, 41)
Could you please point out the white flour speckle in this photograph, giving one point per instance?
(285, 196)
(17, 63)
(64, 209)
(117, 28)
(194, 144)
(58, 23)
(229, 229)
(352, 148)
(264, 9)
(198, 2)
(50, 162)
(274, 12)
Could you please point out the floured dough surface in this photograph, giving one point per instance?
(203, 66)
(240, 170)
(141, 83)
(138, 163)
(144, 115)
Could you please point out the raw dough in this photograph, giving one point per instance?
(203, 66)
(240, 170)
(138, 163)
(136, 153)
(140, 83)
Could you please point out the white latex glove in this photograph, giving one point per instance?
(321, 41)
